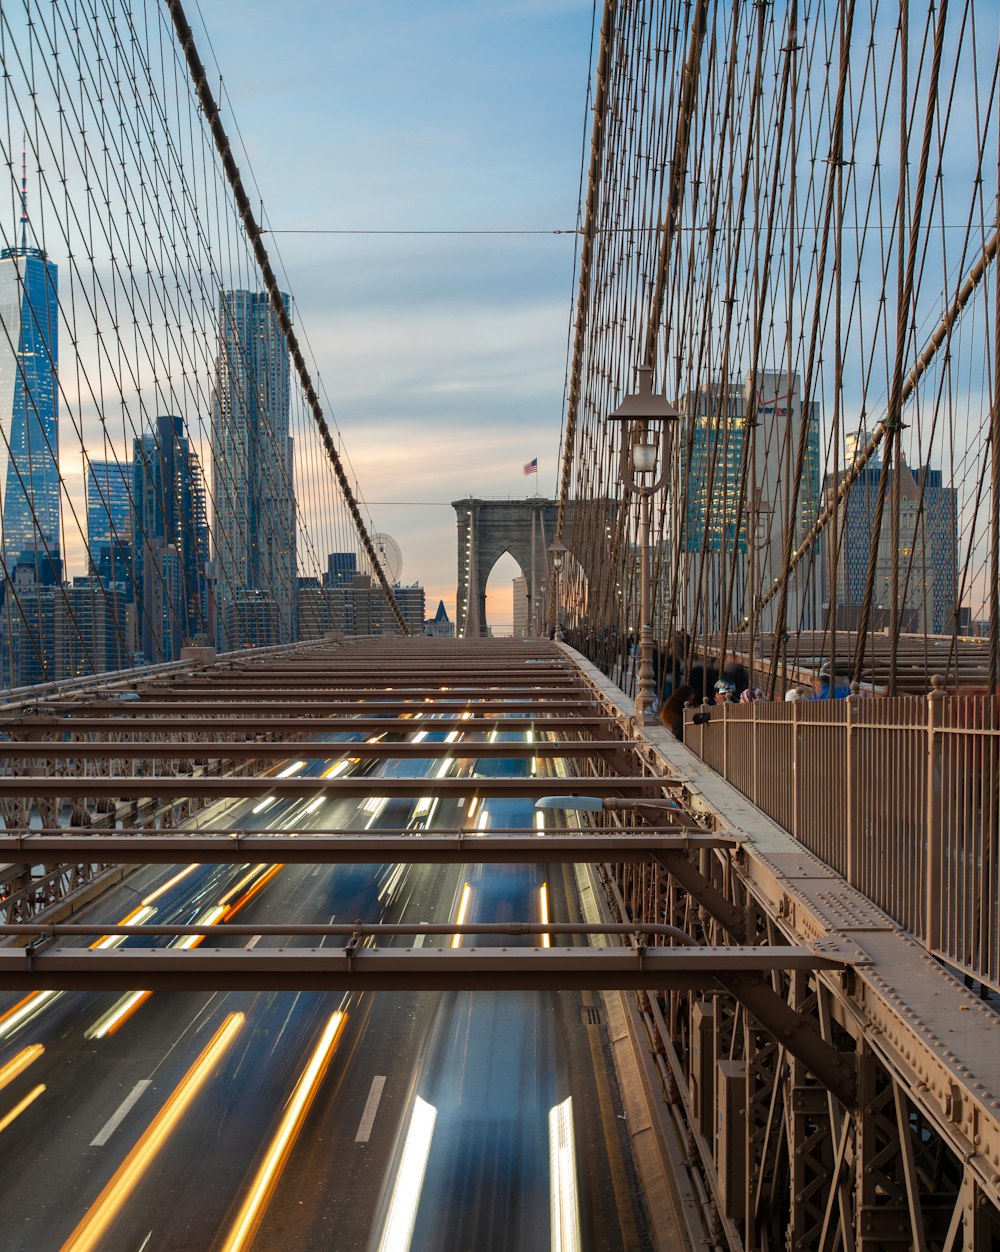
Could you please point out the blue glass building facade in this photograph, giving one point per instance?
(170, 538)
(340, 569)
(29, 350)
(727, 555)
(109, 519)
(928, 550)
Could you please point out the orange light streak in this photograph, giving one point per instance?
(110, 940)
(95, 1222)
(258, 886)
(463, 908)
(128, 1009)
(18, 1064)
(21, 1105)
(247, 878)
(270, 1169)
(19, 1005)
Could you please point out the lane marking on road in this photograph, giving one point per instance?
(314, 871)
(418, 940)
(254, 940)
(119, 1115)
(145, 1242)
(333, 918)
(371, 1108)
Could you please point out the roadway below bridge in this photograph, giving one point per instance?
(299, 1121)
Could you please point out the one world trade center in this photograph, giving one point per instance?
(28, 407)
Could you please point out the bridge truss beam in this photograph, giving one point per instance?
(829, 1101)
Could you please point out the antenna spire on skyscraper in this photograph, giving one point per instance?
(24, 193)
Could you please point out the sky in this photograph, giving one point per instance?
(443, 356)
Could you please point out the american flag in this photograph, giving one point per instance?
(531, 467)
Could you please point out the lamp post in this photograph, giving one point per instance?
(761, 514)
(557, 552)
(642, 411)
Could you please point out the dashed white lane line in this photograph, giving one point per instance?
(119, 1115)
(371, 1108)
(254, 940)
(418, 940)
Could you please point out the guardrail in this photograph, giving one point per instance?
(900, 796)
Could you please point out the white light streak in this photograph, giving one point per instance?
(564, 1205)
(171, 882)
(292, 769)
(543, 906)
(397, 1232)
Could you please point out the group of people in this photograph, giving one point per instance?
(679, 685)
(825, 687)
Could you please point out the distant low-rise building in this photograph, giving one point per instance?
(440, 624)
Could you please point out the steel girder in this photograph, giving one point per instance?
(463, 750)
(214, 788)
(382, 969)
(348, 848)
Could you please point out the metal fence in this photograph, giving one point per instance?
(900, 796)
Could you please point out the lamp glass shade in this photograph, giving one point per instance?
(644, 457)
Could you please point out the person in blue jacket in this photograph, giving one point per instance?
(826, 686)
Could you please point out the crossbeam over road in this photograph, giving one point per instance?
(462, 749)
(346, 848)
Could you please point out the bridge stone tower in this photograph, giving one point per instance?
(486, 530)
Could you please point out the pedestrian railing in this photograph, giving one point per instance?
(900, 796)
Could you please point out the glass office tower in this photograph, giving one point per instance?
(29, 349)
(252, 473)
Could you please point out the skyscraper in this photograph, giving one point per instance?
(253, 470)
(29, 347)
(109, 519)
(340, 569)
(171, 543)
(711, 527)
(29, 457)
(928, 549)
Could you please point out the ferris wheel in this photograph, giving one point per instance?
(390, 556)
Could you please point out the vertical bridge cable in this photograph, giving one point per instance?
(208, 103)
(754, 211)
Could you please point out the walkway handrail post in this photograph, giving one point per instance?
(852, 857)
(934, 873)
(796, 770)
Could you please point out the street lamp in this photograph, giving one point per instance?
(557, 552)
(640, 452)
